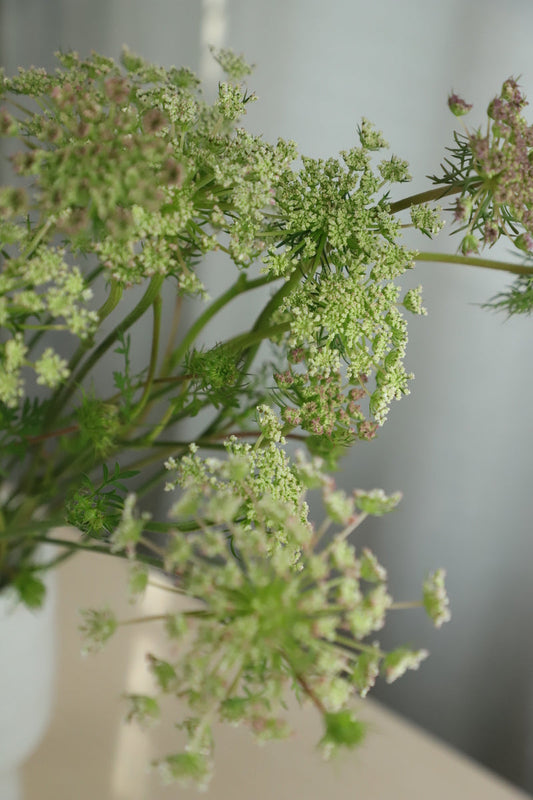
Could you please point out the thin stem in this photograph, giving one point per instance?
(54, 562)
(52, 434)
(255, 337)
(159, 551)
(167, 587)
(156, 329)
(114, 297)
(357, 520)
(20, 107)
(240, 286)
(44, 327)
(20, 532)
(38, 238)
(148, 618)
(142, 306)
(243, 340)
(95, 548)
(471, 261)
(173, 409)
(59, 398)
(425, 197)
(352, 643)
(162, 617)
(309, 692)
(173, 331)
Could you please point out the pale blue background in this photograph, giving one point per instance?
(460, 446)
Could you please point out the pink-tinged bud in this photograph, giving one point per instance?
(469, 244)
(8, 125)
(458, 106)
(317, 427)
(367, 430)
(117, 89)
(498, 110)
(23, 162)
(82, 130)
(154, 120)
(172, 172)
(511, 92)
(463, 209)
(296, 355)
(480, 147)
(490, 233)
(524, 242)
(292, 416)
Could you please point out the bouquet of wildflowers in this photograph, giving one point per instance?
(125, 177)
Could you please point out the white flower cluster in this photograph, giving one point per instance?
(346, 309)
(128, 532)
(266, 621)
(51, 369)
(12, 361)
(43, 287)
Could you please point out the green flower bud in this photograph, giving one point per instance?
(97, 628)
(524, 242)
(143, 709)
(396, 663)
(376, 502)
(469, 244)
(435, 598)
(342, 730)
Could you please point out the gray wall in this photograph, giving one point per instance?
(460, 446)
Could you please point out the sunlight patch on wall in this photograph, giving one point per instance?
(212, 34)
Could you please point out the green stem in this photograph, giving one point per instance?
(425, 197)
(37, 238)
(504, 266)
(147, 618)
(173, 335)
(142, 306)
(256, 335)
(94, 548)
(167, 587)
(44, 327)
(170, 414)
(19, 532)
(241, 285)
(240, 342)
(156, 329)
(162, 617)
(54, 562)
(113, 299)
(59, 400)
(244, 340)
(283, 291)
(20, 108)
(346, 641)
(59, 397)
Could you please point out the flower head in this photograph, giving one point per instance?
(494, 166)
(458, 106)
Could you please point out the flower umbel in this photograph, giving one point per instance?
(269, 620)
(493, 170)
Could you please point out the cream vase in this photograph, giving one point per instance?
(27, 666)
